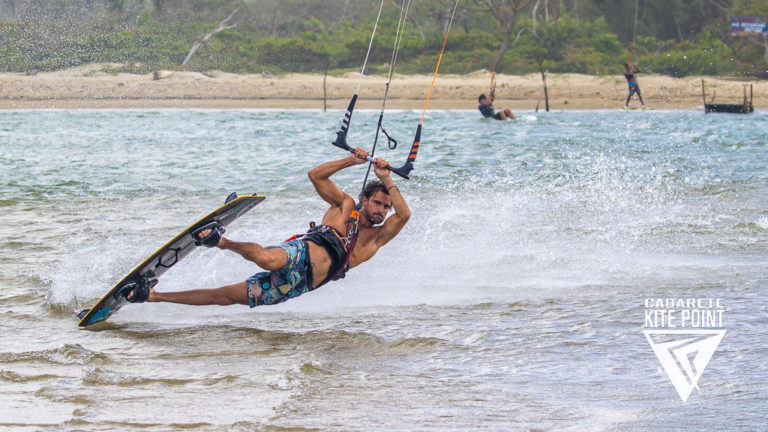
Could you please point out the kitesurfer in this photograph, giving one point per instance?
(487, 110)
(304, 263)
(629, 73)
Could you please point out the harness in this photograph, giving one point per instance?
(486, 110)
(339, 247)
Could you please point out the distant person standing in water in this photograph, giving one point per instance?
(629, 73)
(486, 109)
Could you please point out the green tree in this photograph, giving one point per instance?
(507, 13)
(572, 45)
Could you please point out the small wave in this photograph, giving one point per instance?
(100, 376)
(21, 299)
(410, 345)
(79, 424)
(64, 355)
(314, 369)
(18, 378)
(336, 339)
(55, 394)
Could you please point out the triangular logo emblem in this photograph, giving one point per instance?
(684, 354)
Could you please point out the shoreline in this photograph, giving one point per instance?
(302, 105)
(86, 87)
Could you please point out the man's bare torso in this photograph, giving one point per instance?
(364, 249)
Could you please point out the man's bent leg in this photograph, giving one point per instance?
(267, 258)
(226, 295)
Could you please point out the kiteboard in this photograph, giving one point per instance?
(166, 257)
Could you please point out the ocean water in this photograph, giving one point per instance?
(514, 299)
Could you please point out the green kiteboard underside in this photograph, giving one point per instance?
(166, 257)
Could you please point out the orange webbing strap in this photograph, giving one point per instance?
(341, 239)
(404, 170)
(439, 59)
(352, 221)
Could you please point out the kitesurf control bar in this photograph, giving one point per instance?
(341, 142)
(402, 171)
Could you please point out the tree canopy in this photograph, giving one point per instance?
(676, 37)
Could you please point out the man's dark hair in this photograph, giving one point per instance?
(482, 96)
(372, 187)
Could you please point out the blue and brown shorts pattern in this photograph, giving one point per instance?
(291, 281)
(634, 87)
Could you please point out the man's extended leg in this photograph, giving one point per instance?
(226, 295)
(266, 258)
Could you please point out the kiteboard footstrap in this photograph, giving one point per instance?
(212, 238)
(138, 290)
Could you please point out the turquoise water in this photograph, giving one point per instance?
(512, 300)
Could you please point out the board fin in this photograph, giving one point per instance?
(231, 197)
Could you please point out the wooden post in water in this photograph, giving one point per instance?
(745, 98)
(703, 96)
(325, 91)
(546, 94)
(538, 101)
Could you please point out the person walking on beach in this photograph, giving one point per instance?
(344, 240)
(487, 110)
(629, 73)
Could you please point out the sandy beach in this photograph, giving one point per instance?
(88, 87)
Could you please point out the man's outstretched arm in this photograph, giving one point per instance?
(320, 176)
(397, 221)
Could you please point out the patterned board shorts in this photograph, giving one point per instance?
(634, 87)
(288, 282)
